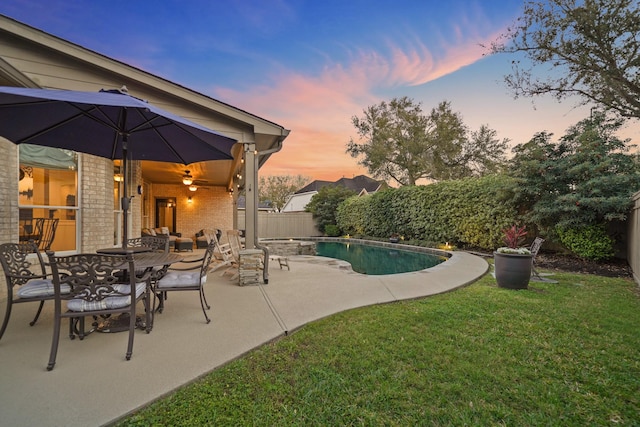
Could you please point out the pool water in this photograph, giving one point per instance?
(376, 260)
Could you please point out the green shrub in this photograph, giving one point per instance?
(349, 215)
(324, 204)
(591, 242)
(332, 230)
(470, 212)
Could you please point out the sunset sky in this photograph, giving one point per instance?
(310, 66)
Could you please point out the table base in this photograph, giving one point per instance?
(119, 323)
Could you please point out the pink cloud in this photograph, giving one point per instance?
(318, 108)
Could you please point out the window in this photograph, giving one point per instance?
(48, 188)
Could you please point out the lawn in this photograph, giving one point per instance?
(565, 354)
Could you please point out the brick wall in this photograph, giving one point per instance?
(96, 203)
(211, 207)
(8, 186)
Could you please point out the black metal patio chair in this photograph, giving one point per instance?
(191, 277)
(26, 278)
(96, 288)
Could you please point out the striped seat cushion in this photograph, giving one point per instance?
(37, 288)
(118, 301)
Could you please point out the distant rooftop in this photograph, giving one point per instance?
(357, 184)
(242, 204)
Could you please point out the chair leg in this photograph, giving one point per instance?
(54, 344)
(35, 319)
(203, 304)
(204, 298)
(7, 315)
(132, 328)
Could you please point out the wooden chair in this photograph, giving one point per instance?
(26, 281)
(96, 289)
(191, 277)
(235, 242)
(234, 238)
(225, 260)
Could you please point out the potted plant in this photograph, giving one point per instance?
(512, 263)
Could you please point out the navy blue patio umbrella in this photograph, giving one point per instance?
(108, 123)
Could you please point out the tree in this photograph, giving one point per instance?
(277, 188)
(484, 154)
(324, 205)
(592, 46)
(583, 182)
(400, 143)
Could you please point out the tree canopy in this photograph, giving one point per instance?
(399, 142)
(585, 179)
(324, 205)
(592, 47)
(277, 188)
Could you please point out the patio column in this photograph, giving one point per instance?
(251, 195)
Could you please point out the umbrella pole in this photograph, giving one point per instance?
(125, 194)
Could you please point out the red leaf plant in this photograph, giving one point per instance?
(514, 236)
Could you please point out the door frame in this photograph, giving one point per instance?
(171, 201)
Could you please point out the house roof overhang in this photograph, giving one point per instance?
(32, 58)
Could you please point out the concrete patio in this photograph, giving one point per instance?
(92, 384)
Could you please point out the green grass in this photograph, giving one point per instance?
(565, 354)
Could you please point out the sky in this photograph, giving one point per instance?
(311, 66)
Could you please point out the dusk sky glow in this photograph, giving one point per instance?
(311, 66)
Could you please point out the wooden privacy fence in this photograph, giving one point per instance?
(633, 251)
(272, 225)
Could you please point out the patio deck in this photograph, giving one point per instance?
(182, 347)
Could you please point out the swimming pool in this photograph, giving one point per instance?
(377, 260)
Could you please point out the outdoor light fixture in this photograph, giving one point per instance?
(118, 177)
(189, 199)
(192, 187)
(187, 179)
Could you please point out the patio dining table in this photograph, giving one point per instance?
(147, 262)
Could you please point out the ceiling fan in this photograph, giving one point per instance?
(191, 182)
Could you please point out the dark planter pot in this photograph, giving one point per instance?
(513, 271)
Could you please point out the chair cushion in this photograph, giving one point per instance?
(36, 288)
(107, 303)
(178, 279)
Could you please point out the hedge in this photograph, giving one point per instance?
(467, 212)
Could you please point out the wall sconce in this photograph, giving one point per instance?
(189, 199)
(192, 187)
(187, 179)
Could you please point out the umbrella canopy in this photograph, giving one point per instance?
(110, 124)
